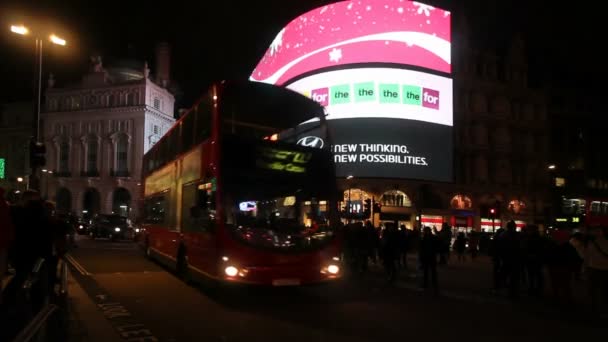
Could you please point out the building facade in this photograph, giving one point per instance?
(97, 132)
(579, 168)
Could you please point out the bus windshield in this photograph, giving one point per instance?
(278, 196)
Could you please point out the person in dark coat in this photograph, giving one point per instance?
(430, 246)
(390, 250)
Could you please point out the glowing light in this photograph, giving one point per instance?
(22, 30)
(19, 179)
(274, 137)
(56, 40)
(231, 271)
(333, 269)
(551, 167)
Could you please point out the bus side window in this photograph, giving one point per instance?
(197, 209)
(154, 210)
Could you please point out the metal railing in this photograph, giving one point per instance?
(37, 329)
(46, 302)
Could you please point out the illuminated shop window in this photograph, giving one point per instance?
(395, 198)
(516, 206)
(461, 202)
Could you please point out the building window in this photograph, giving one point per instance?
(157, 103)
(122, 146)
(92, 155)
(112, 100)
(131, 100)
(461, 202)
(516, 206)
(395, 198)
(76, 103)
(155, 129)
(64, 156)
(353, 201)
(67, 103)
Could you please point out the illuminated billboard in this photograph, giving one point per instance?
(382, 70)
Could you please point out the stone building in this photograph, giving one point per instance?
(96, 133)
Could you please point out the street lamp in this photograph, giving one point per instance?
(19, 29)
(24, 31)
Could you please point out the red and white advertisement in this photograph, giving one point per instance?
(352, 32)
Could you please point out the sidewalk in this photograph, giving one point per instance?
(86, 322)
(472, 280)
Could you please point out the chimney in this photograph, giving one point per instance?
(163, 63)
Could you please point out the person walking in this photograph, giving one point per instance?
(430, 247)
(7, 235)
(460, 246)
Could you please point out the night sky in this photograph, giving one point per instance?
(225, 39)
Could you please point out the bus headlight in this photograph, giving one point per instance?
(333, 269)
(117, 229)
(231, 271)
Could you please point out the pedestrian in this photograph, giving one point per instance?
(429, 247)
(445, 239)
(473, 244)
(533, 245)
(403, 247)
(596, 260)
(7, 235)
(511, 255)
(460, 245)
(390, 250)
(494, 250)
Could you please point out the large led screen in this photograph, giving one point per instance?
(382, 70)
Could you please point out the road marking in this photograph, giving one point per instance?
(76, 265)
(122, 320)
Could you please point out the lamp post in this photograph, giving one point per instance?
(34, 182)
(46, 175)
(349, 206)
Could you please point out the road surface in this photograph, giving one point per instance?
(145, 302)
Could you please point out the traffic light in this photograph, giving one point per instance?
(37, 154)
(377, 207)
(367, 208)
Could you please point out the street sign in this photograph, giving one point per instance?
(2, 173)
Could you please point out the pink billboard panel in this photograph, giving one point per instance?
(353, 32)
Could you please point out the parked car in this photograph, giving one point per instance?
(70, 219)
(111, 226)
(82, 227)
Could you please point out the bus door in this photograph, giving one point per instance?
(199, 226)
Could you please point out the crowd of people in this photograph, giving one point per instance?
(540, 263)
(30, 234)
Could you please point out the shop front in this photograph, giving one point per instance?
(396, 206)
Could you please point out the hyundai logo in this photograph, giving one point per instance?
(311, 142)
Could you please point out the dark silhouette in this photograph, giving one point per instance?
(429, 248)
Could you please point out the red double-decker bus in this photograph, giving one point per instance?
(223, 199)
